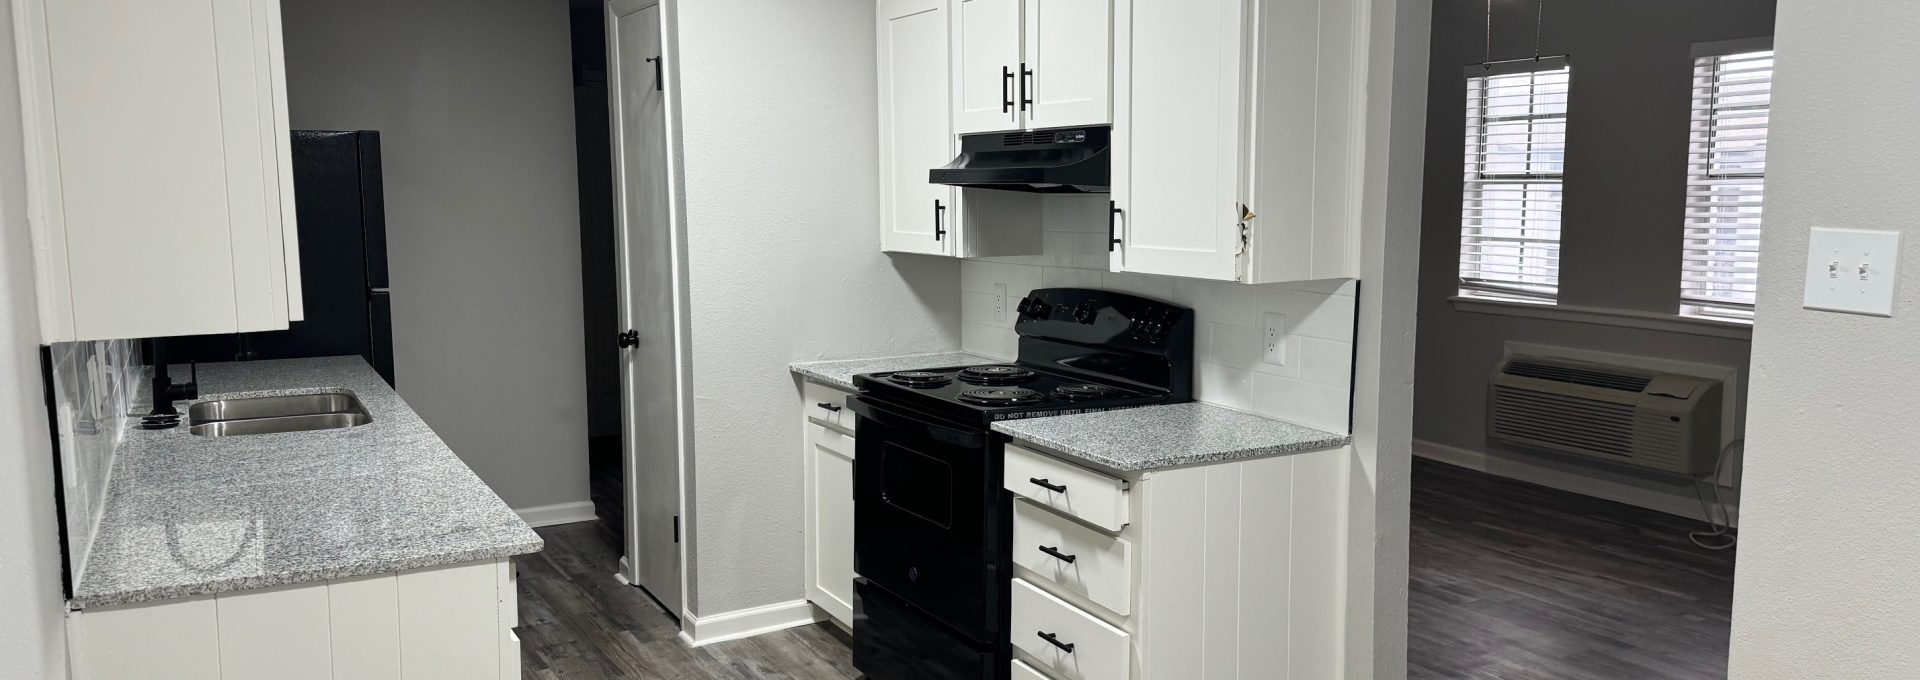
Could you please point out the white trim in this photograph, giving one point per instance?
(1604, 316)
(558, 513)
(700, 631)
(1679, 503)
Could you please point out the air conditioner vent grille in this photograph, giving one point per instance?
(1577, 376)
(1589, 425)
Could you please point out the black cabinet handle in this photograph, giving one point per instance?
(1054, 640)
(939, 212)
(1113, 229)
(1044, 484)
(830, 406)
(1055, 552)
(656, 72)
(1006, 89)
(1026, 87)
(630, 339)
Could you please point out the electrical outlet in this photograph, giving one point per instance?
(1000, 302)
(1274, 337)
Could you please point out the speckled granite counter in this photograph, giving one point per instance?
(840, 373)
(190, 515)
(1132, 440)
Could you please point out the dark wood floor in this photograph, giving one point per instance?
(1516, 581)
(577, 622)
(1509, 581)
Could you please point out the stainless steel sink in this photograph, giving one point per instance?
(265, 415)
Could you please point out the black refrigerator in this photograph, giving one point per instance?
(343, 261)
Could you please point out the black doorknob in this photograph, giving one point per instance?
(630, 339)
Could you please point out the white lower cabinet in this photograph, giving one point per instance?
(1224, 570)
(439, 623)
(828, 462)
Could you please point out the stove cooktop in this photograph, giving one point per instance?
(994, 392)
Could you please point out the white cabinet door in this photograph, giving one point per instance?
(168, 171)
(1069, 63)
(986, 65)
(1176, 163)
(830, 522)
(916, 134)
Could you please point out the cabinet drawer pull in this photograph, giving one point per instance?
(1055, 552)
(830, 406)
(1044, 484)
(1054, 640)
(1006, 89)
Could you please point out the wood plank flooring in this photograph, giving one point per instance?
(1516, 581)
(1510, 581)
(578, 623)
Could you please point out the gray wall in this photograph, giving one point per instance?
(780, 141)
(1623, 200)
(474, 103)
(1825, 582)
(32, 629)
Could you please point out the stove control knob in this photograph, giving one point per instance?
(1083, 313)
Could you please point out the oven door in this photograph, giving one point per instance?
(926, 495)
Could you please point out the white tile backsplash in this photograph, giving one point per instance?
(1313, 387)
(94, 384)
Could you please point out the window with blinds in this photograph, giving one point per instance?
(1726, 174)
(1515, 154)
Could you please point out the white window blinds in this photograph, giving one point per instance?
(1515, 154)
(1726, 174)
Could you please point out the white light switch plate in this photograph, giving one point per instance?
(1852, 270)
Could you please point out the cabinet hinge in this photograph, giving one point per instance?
(676, 529)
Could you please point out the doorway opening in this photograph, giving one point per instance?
(1585, 306)
(600, 300)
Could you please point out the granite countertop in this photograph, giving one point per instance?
(840, 373)
(190, 515)
(1133, 440)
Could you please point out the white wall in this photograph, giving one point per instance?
(1826, 585)
(32, 633)
(1314, 386)
(1623, 204)
(780, 144)
(474, 104)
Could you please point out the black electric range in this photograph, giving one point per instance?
(932, 525)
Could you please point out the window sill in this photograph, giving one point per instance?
(1601, 316)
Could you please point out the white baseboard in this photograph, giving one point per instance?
(558, 513)
(698, 631)
(1680, 504)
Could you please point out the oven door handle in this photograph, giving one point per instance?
(894, 417)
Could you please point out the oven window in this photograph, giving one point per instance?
(917, 483)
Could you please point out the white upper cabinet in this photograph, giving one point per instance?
(1069, 63)
(915, 133)
(1237, 149)
(1021, 64)
(158, 167)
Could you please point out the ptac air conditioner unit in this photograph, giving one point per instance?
(1630, 416)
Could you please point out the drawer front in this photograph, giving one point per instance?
(1088, 648)
(840, 443)
(1094, 497)
(827, 405)
(1075, 558)
(1022, 671)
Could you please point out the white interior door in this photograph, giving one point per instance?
(1178, 69)
(1069, 49)
(986, 65)
(651, 383)
(915, 133)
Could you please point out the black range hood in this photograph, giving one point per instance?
(1058, 160)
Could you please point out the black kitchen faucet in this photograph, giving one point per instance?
(164, 415)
